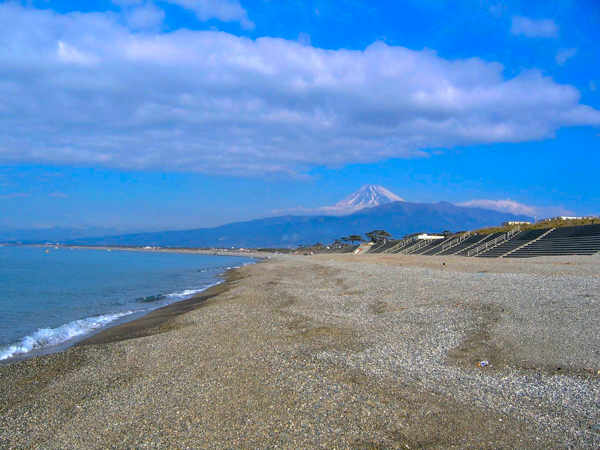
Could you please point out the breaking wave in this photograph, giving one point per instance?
(48, 337)
(151, 298)
(176, 296)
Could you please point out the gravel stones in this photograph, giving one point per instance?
(337, 352)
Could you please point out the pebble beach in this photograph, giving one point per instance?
(334, 351)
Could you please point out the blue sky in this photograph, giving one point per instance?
(186, 113)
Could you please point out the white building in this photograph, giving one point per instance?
(563, 218)
(515, 222)
(429, 236)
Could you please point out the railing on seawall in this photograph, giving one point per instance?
(529, 242)
(417, 247)
(436, 247)
(505, 237)
(403, 243)
(456, 241)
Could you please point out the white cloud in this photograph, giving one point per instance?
(534, 28)
(142, 14)
(512, 206)
(224, 10)
(70, 55)
(564, 54)
(213, 102)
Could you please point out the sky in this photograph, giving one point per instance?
(149, 115)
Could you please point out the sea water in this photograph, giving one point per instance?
(51, 297)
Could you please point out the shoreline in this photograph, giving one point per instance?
(245, 254)
(143, 323)
(157, 320)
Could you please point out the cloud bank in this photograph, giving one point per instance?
(84, 89)
(224, 10)
(142, 14)
(512, 206)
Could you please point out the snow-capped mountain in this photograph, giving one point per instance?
(367, 196)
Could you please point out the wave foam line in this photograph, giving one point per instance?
(176, 296)
(47, 337)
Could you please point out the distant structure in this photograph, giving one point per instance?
(430, 236)
(550, 219)
(556, 239)
(515, 222)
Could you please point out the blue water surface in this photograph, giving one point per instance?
(49, 297)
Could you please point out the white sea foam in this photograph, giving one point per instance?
(185, 293)
(48, 337)
(176, 296)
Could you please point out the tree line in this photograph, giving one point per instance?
(375, 236)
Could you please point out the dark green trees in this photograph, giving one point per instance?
(378, 235)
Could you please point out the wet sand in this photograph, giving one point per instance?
(334, 351)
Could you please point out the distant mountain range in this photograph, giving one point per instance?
(57, 234)
(379, 209)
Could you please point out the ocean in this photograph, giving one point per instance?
(52, 297)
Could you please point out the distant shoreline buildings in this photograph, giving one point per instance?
(515, 222)
(565, 218)
(549, 219)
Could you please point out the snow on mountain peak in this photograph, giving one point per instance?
(367, 197)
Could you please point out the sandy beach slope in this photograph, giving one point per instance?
(335, 352)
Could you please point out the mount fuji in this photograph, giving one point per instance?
(367, 196)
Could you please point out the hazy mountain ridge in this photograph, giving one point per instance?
(398, 218)
(57, 234)
(371, 207)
